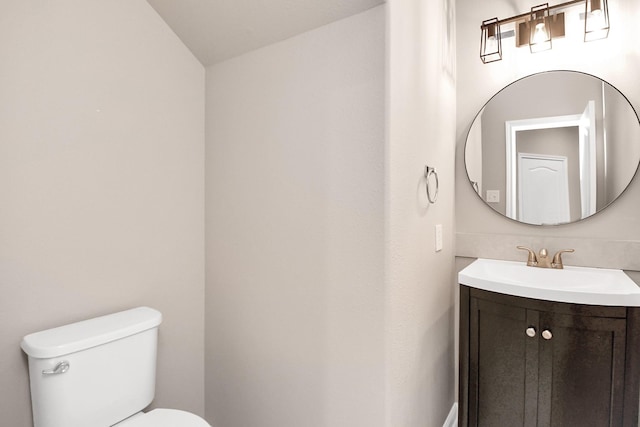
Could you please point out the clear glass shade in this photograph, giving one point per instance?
(540, 29)
(596, 20)
(490, 41)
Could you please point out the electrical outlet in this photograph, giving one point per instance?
(493, 196)
(438, 237)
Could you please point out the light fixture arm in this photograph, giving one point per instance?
(527, 15)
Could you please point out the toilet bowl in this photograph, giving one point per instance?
(164, 418)
(99, 372)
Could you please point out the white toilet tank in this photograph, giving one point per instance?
(93, 373)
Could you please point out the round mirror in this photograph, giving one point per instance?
(553, 148)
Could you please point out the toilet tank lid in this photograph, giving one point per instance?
(90, 333)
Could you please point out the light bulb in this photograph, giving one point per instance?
(540, 35)
(596, 21)
(492, 44)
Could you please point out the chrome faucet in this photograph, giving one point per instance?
(542, 260)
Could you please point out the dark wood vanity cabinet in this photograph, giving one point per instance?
(534, 363)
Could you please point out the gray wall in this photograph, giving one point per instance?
(419, 296)
(327, 303)
(609, 239)
(295, 231)
(101, 183)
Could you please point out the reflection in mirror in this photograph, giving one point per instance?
(553, 148)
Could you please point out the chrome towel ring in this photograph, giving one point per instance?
(428, 173)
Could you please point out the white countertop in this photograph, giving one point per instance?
(578, 285)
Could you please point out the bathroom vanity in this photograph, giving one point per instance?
(548, 348)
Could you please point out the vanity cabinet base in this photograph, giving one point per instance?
(534, 363)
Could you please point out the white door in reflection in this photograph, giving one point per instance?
(543, 189)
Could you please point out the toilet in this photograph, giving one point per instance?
(99, 372)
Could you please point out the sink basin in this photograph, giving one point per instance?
(579, 285)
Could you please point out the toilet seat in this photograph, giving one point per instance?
(164, 418)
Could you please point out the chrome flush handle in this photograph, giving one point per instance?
(60, 368)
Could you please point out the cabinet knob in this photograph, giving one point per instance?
(546, 334)
(531, 331)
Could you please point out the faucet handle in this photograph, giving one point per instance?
(532, 259)
(557, 258)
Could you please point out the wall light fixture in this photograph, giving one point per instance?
(539, 28)
(596, 20)
(541, 25)
(491, 42)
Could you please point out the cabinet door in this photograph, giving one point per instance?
(502, 365)
(581, 376)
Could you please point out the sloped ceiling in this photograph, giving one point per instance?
(216, 30)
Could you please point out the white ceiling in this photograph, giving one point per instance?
(216, 30)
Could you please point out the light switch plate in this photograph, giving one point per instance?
(438, 237)
(493, 196)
